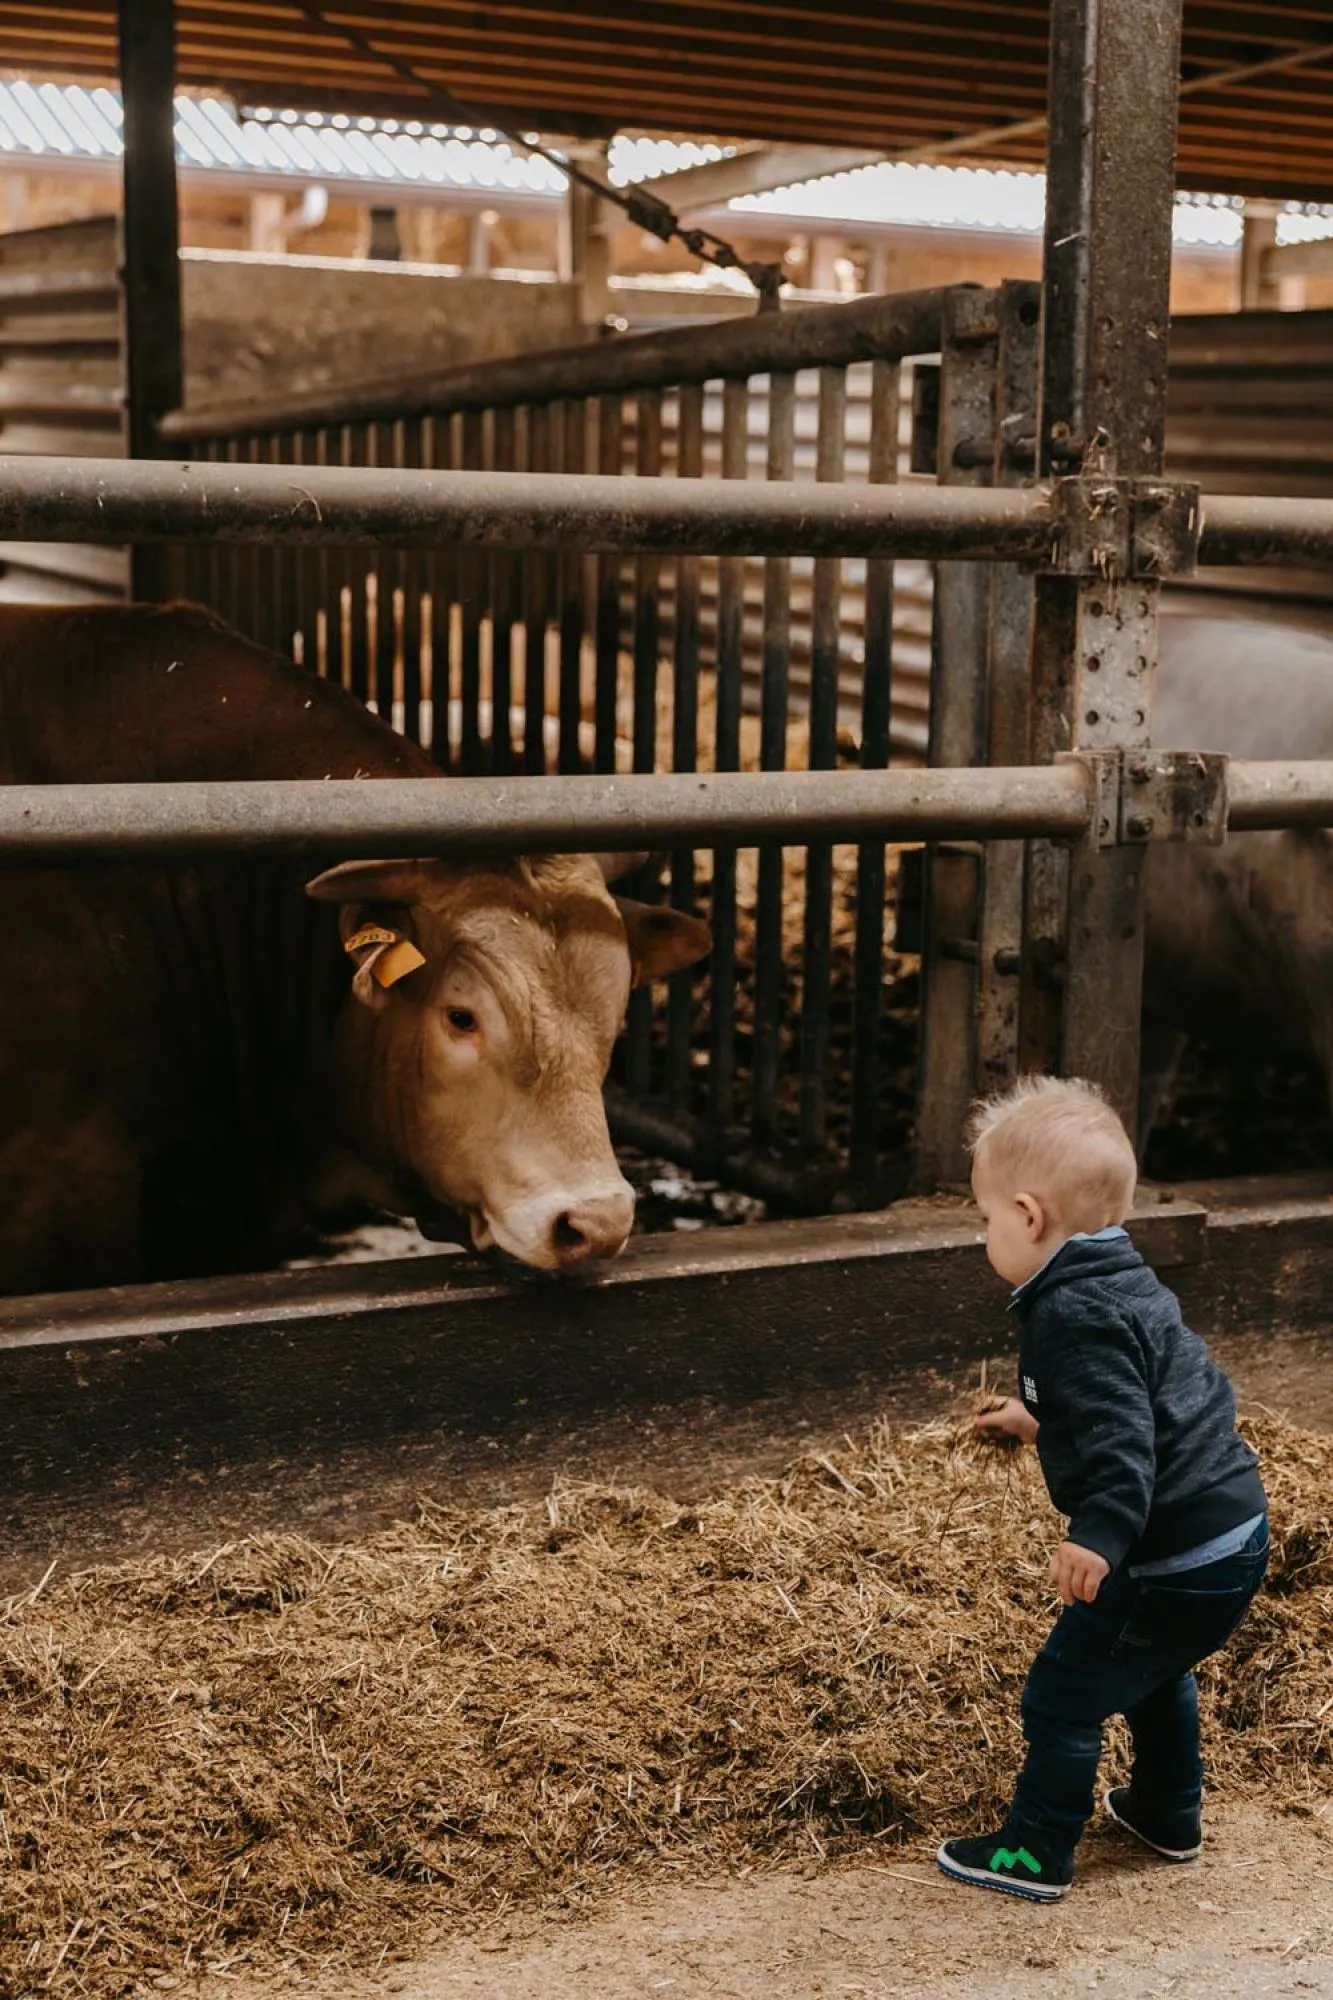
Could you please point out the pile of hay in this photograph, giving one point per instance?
(281, 1753)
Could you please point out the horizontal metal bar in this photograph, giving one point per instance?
(534, 815)
(802, 337)
(1266, 796)
(1246, 529)
(118, 500)
(573, 814)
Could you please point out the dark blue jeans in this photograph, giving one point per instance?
(1128, 1653)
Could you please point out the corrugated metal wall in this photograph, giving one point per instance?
(61, 387)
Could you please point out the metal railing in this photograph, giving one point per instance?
(675, 605)
(1011, 534)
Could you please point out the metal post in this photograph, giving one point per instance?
(1114, 76)
(876, 722)
(150, 280)
(727, 757)
(1011, 593)
(817, 952)
(958, 691)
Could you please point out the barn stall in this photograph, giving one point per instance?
(467, 556)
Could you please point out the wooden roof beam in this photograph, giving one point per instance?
(758, 170)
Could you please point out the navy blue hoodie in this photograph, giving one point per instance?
(1137, 1439)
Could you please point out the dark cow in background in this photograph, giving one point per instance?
(198, 1061)
(1240, 937)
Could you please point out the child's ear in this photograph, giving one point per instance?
(1034, 1218)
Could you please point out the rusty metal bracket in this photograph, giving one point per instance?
(1104, 772)
(1139, 529)
(1173, 795)
(1165, 529)
(1140, 796)
(1091, 528)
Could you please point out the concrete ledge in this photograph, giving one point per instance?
(134, 1384)
(199, 1372)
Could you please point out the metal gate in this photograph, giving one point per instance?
(539, 662)
(1053, 528)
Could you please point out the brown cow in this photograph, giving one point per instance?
(199, 1060)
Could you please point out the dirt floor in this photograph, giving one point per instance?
(348, 1489)
(1252, 1918)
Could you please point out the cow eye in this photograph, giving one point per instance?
(463, 1019)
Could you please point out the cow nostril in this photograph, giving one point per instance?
(566, 1235)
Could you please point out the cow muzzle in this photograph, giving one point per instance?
(563, 1229)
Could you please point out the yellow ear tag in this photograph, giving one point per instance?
(369, 934)
(396, 963)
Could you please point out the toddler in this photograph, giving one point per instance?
(1135, 1428)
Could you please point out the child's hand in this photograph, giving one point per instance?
(1007, 1419)
(1078, 1573)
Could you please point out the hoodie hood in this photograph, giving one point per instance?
(1082, 1257)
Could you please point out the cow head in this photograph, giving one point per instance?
(486, 1000)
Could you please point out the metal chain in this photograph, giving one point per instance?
(642, 207)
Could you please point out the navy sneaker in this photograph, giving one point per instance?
(1176, 1838)
(991, 1863)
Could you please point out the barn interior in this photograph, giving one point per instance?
(695, 248)
(297, 235)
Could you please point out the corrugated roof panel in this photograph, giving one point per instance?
(73, 123)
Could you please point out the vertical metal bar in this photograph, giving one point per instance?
(282, 562)
(647, 593)
(685, 743)
(773, 705)
(958, 693)
(572, 605)
(229, 559)
(356, 450)
(606, 697)
(154, 370)
(333, 573)
(381, 638)
(536, 610)
(727, 757)
(327, 580)
(816, 989)
(876, 717)
(647, 639)
(208, 564)
(471, 566)
(503, 588)
(1111, 140)
(258, 598)
(441, 570)
(1011, 599)
(303, 597)
(410, 581)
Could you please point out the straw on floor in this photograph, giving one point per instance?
(278, 1753)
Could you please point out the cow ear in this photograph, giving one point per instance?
(661, 940)
(613, 866)
(381, 951)
(370, 882)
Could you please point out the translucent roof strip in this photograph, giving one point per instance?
(75, 123)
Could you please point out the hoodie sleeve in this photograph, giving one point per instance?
(1095, 1378)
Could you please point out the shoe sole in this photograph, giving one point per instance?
(1166, 1853)
(981, 1878)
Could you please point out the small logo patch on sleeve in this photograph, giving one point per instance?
(1029, 1390)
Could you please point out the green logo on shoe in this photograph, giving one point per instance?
(1010, 1857)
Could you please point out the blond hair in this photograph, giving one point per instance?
(1057, 1138)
